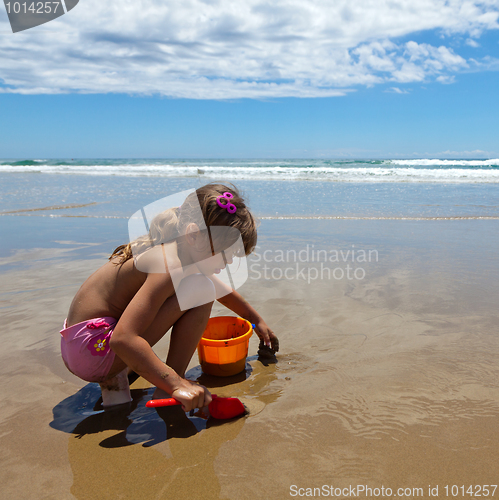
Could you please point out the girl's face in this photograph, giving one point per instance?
(213, 264)
(209, 260)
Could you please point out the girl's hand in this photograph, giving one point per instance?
(192, 395)
(267, 335)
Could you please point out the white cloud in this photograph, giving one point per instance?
(221, 49)
(477, 153)
(472, 43)
(446, 79)
(396, 90)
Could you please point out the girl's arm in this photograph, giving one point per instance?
(130, 345)
(235, 302)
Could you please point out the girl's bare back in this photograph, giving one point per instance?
(107, 292)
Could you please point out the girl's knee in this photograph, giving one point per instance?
(195, 290)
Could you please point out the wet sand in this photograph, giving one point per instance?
(389, 380)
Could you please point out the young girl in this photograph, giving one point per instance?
(161, 281)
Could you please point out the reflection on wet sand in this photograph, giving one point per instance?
(167, 450)
(387, 381)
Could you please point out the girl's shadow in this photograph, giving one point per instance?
(83, 414)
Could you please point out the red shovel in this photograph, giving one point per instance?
(220, 408)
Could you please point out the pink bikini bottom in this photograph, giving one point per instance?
(85, 348)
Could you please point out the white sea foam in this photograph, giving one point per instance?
(447, 163)
(424, 170)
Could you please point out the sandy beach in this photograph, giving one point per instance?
(387, 381)
(362, 138)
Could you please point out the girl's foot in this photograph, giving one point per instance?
(116, 390)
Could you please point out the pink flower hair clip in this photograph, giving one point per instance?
(230, 207)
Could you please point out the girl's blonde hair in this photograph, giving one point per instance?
(167, 225)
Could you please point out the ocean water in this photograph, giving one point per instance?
(43, 202)
(367, 188)
(424, 170)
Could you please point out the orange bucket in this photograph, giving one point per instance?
(223, 348)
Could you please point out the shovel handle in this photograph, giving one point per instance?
(156, 403)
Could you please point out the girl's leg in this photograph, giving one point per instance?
(116, 390)
(185, 337)
(188, 326)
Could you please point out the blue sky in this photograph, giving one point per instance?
(288, 79)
